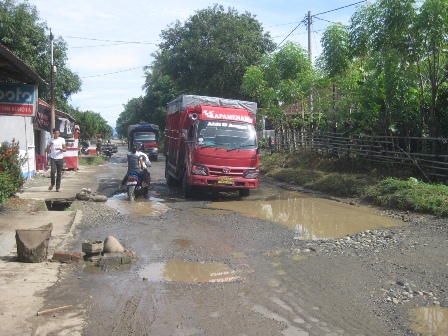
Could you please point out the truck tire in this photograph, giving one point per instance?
(154, 158)
(186, 188)
(244, 192)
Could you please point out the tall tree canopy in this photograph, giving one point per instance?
(91, 123)
(22, 32)
(209, 53)
(280, 79)
(394, 75)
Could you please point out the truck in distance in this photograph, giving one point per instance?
(146, 136)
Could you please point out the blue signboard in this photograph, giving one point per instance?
(18, 99)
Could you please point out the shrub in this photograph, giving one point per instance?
(11, 179)
(410, 195)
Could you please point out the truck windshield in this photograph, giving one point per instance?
(145, 136)
(228, 135)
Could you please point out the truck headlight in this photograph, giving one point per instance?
(251, 173)
(199, 170)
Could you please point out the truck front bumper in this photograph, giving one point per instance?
(223, 182)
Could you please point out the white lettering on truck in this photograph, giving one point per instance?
(212, 115)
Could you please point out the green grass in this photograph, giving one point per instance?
(409, 195)
(348, 177)
(91, 160)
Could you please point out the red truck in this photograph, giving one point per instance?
(146, 136)
(211, 143)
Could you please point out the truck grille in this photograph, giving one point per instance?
(219, 171)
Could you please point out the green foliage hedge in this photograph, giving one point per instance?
(11, 179)
(409, 195)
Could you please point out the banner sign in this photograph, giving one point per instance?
(43, 118)
(43, 122)
(19, 100)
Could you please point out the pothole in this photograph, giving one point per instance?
(188, 272)
(55, 205)
(429, 320)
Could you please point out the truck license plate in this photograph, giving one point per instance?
(226, 180)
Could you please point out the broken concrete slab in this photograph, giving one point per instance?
(32, 244)
(89, 247)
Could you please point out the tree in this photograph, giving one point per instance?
(432, 27)
(279, 80)
(336, 56)
(334, 63)
(91, 123)
(132, 114)
(209, 53)
(380, 39)
(22, 32)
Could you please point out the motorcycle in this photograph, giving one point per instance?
(134, 186)
(85, 150)
(106, 151)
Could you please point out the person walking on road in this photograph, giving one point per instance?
(56, 147)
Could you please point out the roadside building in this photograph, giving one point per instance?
(18, 106)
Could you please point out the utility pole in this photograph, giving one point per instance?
(310, 24)
(53, 117)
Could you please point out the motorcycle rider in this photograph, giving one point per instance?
(136, 159)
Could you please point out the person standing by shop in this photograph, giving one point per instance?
(56, 147)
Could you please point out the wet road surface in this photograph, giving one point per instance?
(222, 265)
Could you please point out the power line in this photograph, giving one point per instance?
(112, 73)
(108, 45)
(288, 35)
(333, 10)
(92, 39)
(324, 20)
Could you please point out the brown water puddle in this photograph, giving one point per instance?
(141, 207)
(188, 272)
(430, 320)
(311, 217)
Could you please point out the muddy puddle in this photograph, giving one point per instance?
(188, 272)
(141, 207)
(429, 320)
(310, 217)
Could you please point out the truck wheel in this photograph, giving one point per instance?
(186, 188)
(244, 192)
(154, 158)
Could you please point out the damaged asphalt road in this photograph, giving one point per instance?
(205, 271)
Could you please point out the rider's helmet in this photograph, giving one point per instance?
(134, 147)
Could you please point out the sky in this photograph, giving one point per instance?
(109, 41)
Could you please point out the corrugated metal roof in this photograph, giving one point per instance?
(13, 69)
